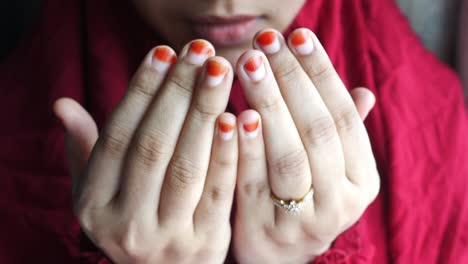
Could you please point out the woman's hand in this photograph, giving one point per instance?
(306, 134)
(158, 186)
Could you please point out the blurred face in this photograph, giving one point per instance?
(228, 24)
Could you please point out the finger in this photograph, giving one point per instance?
(185, 177)
(287, 160)
(364, 100)
(81, 135)
(311, 117)
(354, 140)
(216, 201)
(102, 177)
(253, 190)
(155, 139)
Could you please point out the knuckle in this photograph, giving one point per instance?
(151, 147)
(256, 189)
(288, 72)
(218, 193)
(183, 172)
(224, 163)
(320, 71)
(339, 218)
(269, 103)
(114, 140)
(181, 84)
(320, 131)
(84, 218)
(291, 166)
(346, 118)
(205, 112)
(144, 83)
(250, 157)
(179, 252)
(132, 243)
(280, 237)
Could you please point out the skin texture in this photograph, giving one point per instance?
(161, 175)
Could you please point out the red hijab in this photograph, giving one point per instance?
(88, 50)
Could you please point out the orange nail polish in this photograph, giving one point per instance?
(199, 51)
(164, 54)
(215, 72)
(253, 64)
(254, 68)
(163, 58)
(251, 127)
(302, 42)
(215, 68)
(226, 130)
(298, 38)
(200, 47)
(268, 42)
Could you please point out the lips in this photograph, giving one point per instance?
(225, 30)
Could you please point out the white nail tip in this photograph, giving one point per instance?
(306, 48)
(160, 66)
(226, 136)
(272, 48)
(196, 59)
(250, 135)
(214, 81)
(257, 75)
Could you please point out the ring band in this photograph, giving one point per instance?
(293, 206)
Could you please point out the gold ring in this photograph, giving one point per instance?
(293, 206)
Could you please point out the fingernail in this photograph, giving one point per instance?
(255, 69)
(199, 51)
(250, 128)
(215, 72)
(163, 58)
(226, 127)
(268, 42)
(301, 42)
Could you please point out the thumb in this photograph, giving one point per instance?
(364, 100)
(81, 135)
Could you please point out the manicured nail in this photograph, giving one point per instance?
(226, 128)
(251, 128)
(199, 51)
(215, 72)
(302, 42)
(163, 58)
(255, 68)
(268, 42)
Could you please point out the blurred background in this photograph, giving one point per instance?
(439, 23)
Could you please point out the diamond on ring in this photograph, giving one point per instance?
(293, 206)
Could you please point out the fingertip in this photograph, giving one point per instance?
(74, 118)
(301, 42)
(62, 110)
(161, 58)
(365, 95)
(197, 51)
(252, 66)
(226, 126)
(218, 71)
(364, 99)
(249, 124)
